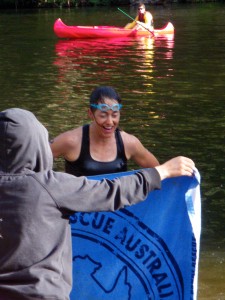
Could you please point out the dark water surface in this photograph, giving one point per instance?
(172, 90)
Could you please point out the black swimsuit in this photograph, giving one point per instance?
(85, 165)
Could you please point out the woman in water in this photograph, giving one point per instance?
(101, 147)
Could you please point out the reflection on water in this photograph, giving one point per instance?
(101, 60)
(113, 62)
(132, 65)
(212, 275)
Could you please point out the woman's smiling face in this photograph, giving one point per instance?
(108, 120)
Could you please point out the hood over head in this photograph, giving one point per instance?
(24, 144)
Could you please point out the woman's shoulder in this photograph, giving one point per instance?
(131, 144)
(75, 131)
(128, 138)
(148, 14)
(71, 136)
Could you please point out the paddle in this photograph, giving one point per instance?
(134, 20)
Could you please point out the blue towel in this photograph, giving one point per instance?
(146, 251)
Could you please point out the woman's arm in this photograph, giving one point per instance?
(135, 151)
(67, 144)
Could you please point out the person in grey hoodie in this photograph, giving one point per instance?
(36, 203)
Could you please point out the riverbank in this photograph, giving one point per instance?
(36, 4)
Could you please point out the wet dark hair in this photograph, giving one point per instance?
(100, 93)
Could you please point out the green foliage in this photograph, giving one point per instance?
(100, 2)
(58, 3)
(72, 3)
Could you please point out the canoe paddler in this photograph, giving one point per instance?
(143, 19)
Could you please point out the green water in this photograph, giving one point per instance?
(172, 91)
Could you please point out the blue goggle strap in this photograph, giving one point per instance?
(105, 107)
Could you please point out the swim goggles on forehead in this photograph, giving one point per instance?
(105, 107)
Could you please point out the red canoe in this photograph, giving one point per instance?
(83, 32)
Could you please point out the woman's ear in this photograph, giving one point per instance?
(90, 114)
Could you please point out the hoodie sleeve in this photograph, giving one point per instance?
(73, 194)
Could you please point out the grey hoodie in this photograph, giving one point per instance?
(35, 206)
